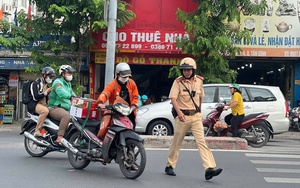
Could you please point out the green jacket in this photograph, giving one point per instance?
(61, 94)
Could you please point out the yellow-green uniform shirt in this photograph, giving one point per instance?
(178, 91)
(239, 108)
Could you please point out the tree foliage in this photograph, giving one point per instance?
(68, 23)
(212, 27)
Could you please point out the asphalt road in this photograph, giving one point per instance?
(252, 168)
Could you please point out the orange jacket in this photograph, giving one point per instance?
(113, 88)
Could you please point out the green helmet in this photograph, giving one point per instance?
(236, 86)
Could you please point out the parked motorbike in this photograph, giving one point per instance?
(294, 118)
(117, 142)
(254, 128)
(40, 146)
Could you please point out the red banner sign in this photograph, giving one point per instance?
(141, 41)
(143, 59)
(154, 30)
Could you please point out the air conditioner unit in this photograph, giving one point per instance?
(7, 8)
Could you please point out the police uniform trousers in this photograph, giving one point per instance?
(194, 123)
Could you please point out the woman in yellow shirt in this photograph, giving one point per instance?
(237, 109)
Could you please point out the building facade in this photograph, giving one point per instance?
(148, 44)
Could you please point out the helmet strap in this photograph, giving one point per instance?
(193, 74)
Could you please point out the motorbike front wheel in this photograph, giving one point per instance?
(297, 126)
(76, 161)
(134, 164)
(262, 138)
(32, 148)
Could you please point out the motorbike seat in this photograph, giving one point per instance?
(89, 123)
(251, 116)
(49, 117)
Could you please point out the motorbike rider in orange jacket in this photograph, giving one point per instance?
(122, 86)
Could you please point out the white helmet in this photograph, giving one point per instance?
(66, 68)
(123, 69)
(188, 63)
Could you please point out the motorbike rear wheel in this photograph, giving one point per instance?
(76, 161)
(134, 165)
(264, 136)
(32, 148)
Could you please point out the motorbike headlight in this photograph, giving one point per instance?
(122, 109)
(141, 111)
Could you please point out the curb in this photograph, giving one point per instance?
(226, 143)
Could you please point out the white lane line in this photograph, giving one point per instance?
(275, 162)
(282, 180)
(272, 155)
(278, 170)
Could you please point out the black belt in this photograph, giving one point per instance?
(189, 112)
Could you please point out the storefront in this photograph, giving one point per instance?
(148, 44)
(13, 70)
(273, 50)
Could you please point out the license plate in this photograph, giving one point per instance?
(295, 119)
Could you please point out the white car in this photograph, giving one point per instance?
(156, 119)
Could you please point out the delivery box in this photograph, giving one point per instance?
(80, 108)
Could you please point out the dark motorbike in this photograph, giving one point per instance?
(40, 146)
(117, 142)
(254, 128)
(294, 118)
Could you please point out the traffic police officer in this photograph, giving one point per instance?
(189, 117)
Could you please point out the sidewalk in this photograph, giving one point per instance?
(228, 143)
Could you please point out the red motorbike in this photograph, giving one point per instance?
(108, 140)
(254, 127)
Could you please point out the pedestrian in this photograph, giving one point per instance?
(140, 103)
(60, 99)
(145, 100)
(40, 91)
(122, 86)
(186, 95)
(237, 109)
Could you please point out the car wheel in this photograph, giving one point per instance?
(159, 128)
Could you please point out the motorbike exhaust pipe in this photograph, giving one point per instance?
(35, 140)
(75, 151)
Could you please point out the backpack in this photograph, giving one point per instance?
(26, 93)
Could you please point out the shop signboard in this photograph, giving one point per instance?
(15, 63)
(13, 81)
(21, 63)
(152, 31)
(37, 43)
(275, 32)
(142, 59)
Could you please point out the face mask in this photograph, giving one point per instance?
(123, 80)
(69, 78)
(48, 80)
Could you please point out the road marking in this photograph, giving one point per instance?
(272, 155)
(275, 162)
(282, 180)
(277, 170)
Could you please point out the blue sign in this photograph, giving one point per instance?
(15, 63)
(37, 43)
(21, 63)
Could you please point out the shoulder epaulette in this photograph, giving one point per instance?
(179, 79)
(200, 77)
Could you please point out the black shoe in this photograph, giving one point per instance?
(169, 171)
(210, 173)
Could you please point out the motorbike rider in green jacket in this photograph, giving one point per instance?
(60, 99)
